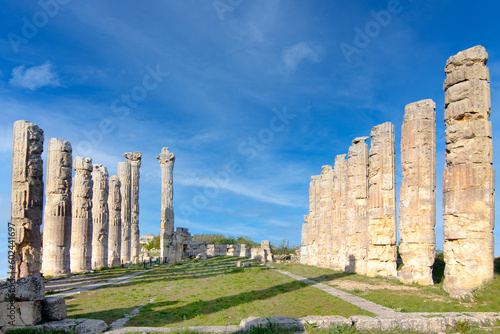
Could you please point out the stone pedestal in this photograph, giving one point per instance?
(417, 204)
(167, 160)
(100, 217)
(57, 215)
(124, 173)
(382, 222)
(27, 198)
(468, 177)
(115, 222)
(134, 159)
(81, 229)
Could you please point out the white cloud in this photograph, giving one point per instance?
(34, 77)
(294, 55)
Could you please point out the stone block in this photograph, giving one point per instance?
(251, 322)
(365, 323)
(325, 321)
(20, 313)
(53, 309)
(91, 326)
(29, 288)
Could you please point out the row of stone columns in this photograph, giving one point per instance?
(352, 222)
(82, 220)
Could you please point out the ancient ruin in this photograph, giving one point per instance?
(26, 198)
(356, 215)
(100, 217)
(124, 173)
(325, 217)
(167, 161)
(468, 177)
(57, 214)
(134, 159)
(115, 221)
(339, 202)
(381, 210)
(81, 228)
(417, 202)
(312, 220)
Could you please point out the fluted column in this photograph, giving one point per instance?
(134, 159)
(167, 161)
(339, 195)
(115, 222)
(124, 173)
(100, 217)
(26, 198)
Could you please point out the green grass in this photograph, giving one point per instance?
(203, 293)
(418, 299)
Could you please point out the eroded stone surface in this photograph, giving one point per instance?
(124, 173)
(382, 221)
(115, 221)
(324, 247)
(134, 159)
(100, 217)
(339, 202)
(417, 204)
(468, 177)
(167, 160)
(57, 214)
(81, 228)
(27, 198)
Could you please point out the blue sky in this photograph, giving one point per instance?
(253, 97)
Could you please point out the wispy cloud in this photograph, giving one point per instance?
(294, 55)
(34, 77)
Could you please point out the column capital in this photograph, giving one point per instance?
(133, 158)
(166, 158)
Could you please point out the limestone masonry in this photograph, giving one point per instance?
(167, 161)
(134, 159)
(124, 173)
(115, 221)
(100, 217)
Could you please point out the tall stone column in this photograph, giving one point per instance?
(124, 173)
(356, 218)
(100, 217)
(325, 216)
(382, 221)
(304, 242)
(26, 198)
(468, 177)
(167, 161)
(115, 221)
(313, 218)
(339, 195)
(81, 229)
(417, 203)
(57, 215)
(134, 159)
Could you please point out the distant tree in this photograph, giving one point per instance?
(284, 248)
(220, 239)
(246, 240)
(153, 244)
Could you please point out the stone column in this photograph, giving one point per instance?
(356, 219)
(339, 199)
(115, 221)
(167, 161)
(134, 159)
(304, 242)
(382, 221)
(325, 216)
(57, 215)
(124, 173)
(468, 177)
(313, 219)
(100, 217)
(81, 229)
(26, 198)
(417, 203)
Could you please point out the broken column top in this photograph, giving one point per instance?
(358, 140)
(315, 178)
(326, 169)
(133, 157)
(56, 144)
(103, 170)
(384, 127)
(424, 109)
(83, 163)
(467, 57)
(165, 157)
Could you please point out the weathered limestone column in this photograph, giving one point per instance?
(325, 216)
(124, 173)
(81, 229)
(417, 203)
(115, 221)
(339, 195)
(167, 161)
(468, 177)
(356, 217)
(313, 218)
(304, 258)
(382, 221)
(100, 217)
(57, 215)
(27, 198)
(134, 159)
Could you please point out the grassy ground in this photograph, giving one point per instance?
(391, 293)
(206, 293)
